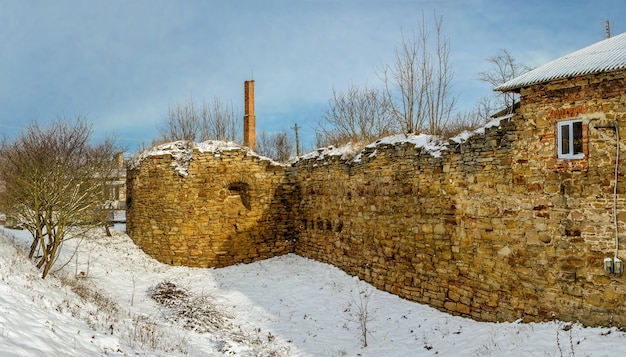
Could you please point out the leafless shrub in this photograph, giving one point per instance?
(196, 313)
(261, 344)
(82, 288)
(568, 328)
(202, 315)
(134, 281)
(168, 294)
(266, 346)
(54, 179)
(278, 146)
(359, 312)
(139, 332)
(360, 114)
(419, 82)
(468, 121)
(192, 121)
(504, 68)
(147, 334)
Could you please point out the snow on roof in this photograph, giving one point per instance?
(603, 56)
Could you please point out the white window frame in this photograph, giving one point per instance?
(568, 125)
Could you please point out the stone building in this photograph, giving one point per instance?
(523, 219)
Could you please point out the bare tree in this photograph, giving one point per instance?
(222, 121)
(419, 81)
(470, 120)
(264, 145)
(191, 121)
(184, 122)
(505, 68)
(484, 109)
(54, 182)
(360, 114)
(278, 146)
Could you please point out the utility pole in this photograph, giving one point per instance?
(295, 127)
(607, 28)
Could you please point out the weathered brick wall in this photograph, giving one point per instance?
(230, 207)
(496, 228)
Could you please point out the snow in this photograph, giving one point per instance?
(430, 143)
(464, 136)
(345, 152)
(285, 306)
(354, 152)
(182, 153)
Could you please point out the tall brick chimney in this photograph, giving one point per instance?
(249, 120)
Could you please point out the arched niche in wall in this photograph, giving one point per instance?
(241, 189)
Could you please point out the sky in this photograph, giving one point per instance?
(121, 64)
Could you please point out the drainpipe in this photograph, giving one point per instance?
(614, 265)
(615, 258)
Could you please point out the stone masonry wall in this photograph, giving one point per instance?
(227, 207)
(496, 228)
(422, 227)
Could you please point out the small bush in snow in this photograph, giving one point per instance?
(148, 334)
(168, 294)
(359, 312)
(197, 313)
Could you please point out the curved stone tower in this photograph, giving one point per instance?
(209, 205)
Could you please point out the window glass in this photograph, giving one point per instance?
(577, 131)
(564, 139)
(570, 139)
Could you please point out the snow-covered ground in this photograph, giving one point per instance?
(101, 303)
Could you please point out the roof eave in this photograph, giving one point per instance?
(517, 87)
(506, 89)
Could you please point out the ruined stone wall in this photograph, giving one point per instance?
(426, 228)
(226, 207)
(496, 227)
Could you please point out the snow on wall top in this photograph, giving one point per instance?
(464, 136)
(430, 144)
(603, 56)
(345, 152)
(182, 152)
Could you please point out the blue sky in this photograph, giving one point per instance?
(122, 63)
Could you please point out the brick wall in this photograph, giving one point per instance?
(496, 228)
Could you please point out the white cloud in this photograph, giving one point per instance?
(124, 62)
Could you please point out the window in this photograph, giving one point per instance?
(570, 139)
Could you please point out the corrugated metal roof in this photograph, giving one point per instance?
(603, 56)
